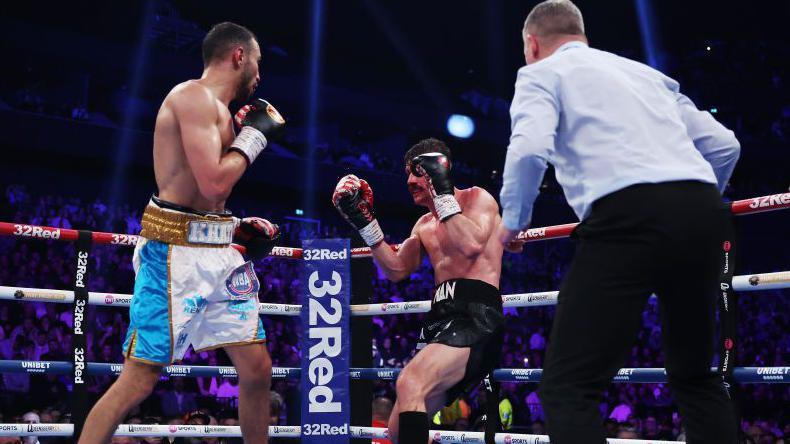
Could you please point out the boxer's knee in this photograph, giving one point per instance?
(137, 382)
(253, 365)
(411, 388)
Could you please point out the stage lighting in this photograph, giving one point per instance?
(461, 126)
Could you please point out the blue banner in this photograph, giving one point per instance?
(326, 290)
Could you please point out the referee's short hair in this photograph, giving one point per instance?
(554, 17)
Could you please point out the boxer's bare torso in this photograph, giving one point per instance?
(448, 261)
(175, 179)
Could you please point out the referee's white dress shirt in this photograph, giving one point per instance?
(605, 122)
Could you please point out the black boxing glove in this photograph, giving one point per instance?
(353, 199)
(257, 120)
(257, 235)
(435, 167)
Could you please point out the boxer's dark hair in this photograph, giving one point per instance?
(430, 145)
(222, 37)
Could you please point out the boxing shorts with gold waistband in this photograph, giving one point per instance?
(467, 313)
(191, 286)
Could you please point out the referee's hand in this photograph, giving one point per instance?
(508, 239)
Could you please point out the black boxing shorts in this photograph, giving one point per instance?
(467, 313)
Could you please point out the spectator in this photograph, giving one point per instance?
(382, 408)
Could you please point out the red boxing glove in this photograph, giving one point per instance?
(353, 199)
(258, 235)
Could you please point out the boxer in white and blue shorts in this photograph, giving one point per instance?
(204, 295)
(192, 287)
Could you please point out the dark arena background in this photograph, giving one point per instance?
(358, 83)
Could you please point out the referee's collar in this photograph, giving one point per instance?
(571, 45)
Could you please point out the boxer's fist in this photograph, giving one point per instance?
(435, 167)
(258, 235)
(353, 199)
(259, 122)
(262, 116)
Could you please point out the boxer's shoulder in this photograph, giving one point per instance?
(423, 221)
(478, 198)
(192, 94)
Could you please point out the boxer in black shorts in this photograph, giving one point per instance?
(466, 313)
(463, 331)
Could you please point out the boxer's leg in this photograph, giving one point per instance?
(420, 390)
(254, 367)
(136, 382)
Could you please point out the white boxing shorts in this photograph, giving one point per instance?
(191, 288)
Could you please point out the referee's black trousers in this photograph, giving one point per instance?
(650, 238)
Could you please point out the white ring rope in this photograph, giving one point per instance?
(150, 430)
(760, 281)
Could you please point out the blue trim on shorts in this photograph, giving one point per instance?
(261, 331)
(149, 334)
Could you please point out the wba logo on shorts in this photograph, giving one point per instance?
(242, 282)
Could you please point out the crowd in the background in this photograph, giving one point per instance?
(41, 331)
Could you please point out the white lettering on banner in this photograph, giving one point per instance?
(282, 251)
(446, 290)
(536, 232)
(355, 374)
(124, 239)
(116, 368)
(769, 201)
(35, 365)
(726, 361)
(178, 370)
(79, 313)
(82, 267)
(329, 343)
(325, 406)
(323, 254)
(31, 231)
(773, 370)
(230, 371)
(625, 371)
(325, 335)
(279, 371)
(317, 309)
(324, 429)
(320, 371)
(79, 365)
(724, 287)
(386, 374)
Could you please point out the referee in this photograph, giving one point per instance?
(643, 169)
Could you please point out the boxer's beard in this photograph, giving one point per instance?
(245, 88)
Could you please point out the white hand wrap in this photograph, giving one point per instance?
(372, 233)
(250, 142)
(446, 206)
